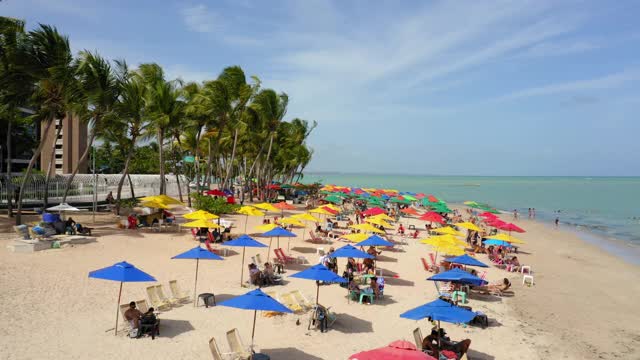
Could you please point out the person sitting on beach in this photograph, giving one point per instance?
(373, 252)
(499, 288)
(369, 268)
(513, 265)
(110, 200)
(149, 324)
(255, 275)
(70, 226)
(83, 229)
(401, 230)
(133, 316)
(373, 284)
(438, 341)
(333, 262)
(415, 234)
(269, 276)
(351, 266)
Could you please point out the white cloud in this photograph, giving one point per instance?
(561, 48)
(199, 18)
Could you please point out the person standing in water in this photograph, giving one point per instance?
(557, 221)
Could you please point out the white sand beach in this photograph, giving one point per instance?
(582, 305)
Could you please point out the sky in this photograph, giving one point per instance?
(413, 87)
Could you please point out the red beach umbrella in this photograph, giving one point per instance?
(216, 192)
(488, 215)
(373, 211)
(396, 350)
(410, 211)
(511, 227)
(433, 217)
(420, 196)
(284, 206)
(432, 199)
(334, 212)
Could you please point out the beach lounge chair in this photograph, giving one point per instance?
(289, 301)
(302, 300)
(180, 296)
(155, 300)
(321, 318)
(426, 265)
(125, 323)
(259, 260)
(417, 337)
(163, 297)
(318, 239)
(142, 305)
(217, 354)
(444, 290)
(282, 258)
(237, 346)
(434, 266)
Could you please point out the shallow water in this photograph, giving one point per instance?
(605, 206)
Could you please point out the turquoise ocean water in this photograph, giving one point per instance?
(602, 208)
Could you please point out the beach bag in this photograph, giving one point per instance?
(480, 320)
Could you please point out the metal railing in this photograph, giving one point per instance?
(82, 187)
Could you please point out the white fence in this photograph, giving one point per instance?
(82, 187)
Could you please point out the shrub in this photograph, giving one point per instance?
(213, 205)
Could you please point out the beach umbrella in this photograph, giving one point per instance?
(375, 240)
(277, 232)
(255, 300)
(154, 204)
(332, 207)
(394, 351)
(496, 243)
(448, 230)
(164, 199)
(373, 211)
(63, 207)
(507, 238)
(202, 224)
(468, 226)
(266, 227)
(440, 310)
(432, 198)
(319, 273)
(215, 192)
(382, 217)
(432, 217)
(511, 227)
(400, 200)
(266, 207)
(333, 199)
(197, 253)
(378, 221)
(367, 227)
(200, 215)
(290, 221)
(249, 211)
(122, 272)
(443, 240)
(409, 211)
(357, 237)
(409, 197)
(321, 210)
(348, 251)
(459, 276)
(244, 241)
(488, 215)
(305, 217)
(283, 206)
(375, 202)
(466, 260)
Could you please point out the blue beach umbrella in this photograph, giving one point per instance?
(458, 275)
(349, 251)
(440, 310)
(319, 273)
(466, 260)
(244, 241)
(277, 232)
(122, 272)
(255, 300)
(375, 240)
(495, 242)
(198, 253)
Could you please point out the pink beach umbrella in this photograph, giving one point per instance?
(396, 350)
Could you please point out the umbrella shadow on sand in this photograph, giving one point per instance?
(289, 353)
(170, 328)
(304, 250)
(350, 324)
(478, 355)
(398, 282)
(382, 258)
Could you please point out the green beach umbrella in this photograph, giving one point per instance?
(409, 197)
(399, 200)
(333, 199)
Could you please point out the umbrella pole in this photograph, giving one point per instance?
(278, 241)
(317, 292)
(245, 224)
(195, 284)
(269, 248)
(253, 331)
(242, 267)
(118, 308)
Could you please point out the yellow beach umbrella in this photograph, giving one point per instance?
(200, 215)
(291, 221)
(507, 238)
(382, 217)
(444, 240)
(154, 204)
(320, 210)
(448, 231)
(468, 225)
(378, 221)
(202, 224)
(266, 207)
(332, 207)
(305, 217)
(367, 227)
(449, 250)
(356, 237)
(250, 211)
(266, 227)
(167, 200)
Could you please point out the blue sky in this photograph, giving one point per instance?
(422, 87)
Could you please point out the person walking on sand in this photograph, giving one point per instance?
(530, 213)
(557, 221)
(515, 214)
(533, 212)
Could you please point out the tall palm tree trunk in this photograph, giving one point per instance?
(161, 159)
(233, 155)
(133, 195)
(27, 175)
(83, 158)
(125, 173)
(52, 161)
(9, 182)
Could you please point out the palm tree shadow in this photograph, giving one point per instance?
(289, 354)
(170, 328)
(350, 324)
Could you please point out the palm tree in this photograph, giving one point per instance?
(164, 107)
(48, 58)
(100, 91)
